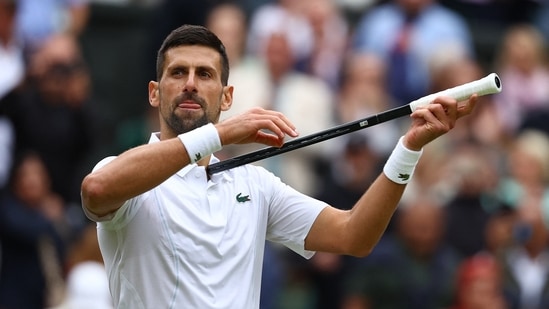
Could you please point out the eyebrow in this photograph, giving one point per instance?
(176, 66)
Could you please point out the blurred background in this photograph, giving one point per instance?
(472, 228)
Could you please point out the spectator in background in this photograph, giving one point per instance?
(40, 20)
(363, 93)
(470, 175)
(32, 248)
(51, 113)
(479, 284)
(229, 22)
(317, 33)
(527, 166)
(489, 19)
(405, 34)
(344, 179)
(526, 265)
(411, 269)
(522, 66)
(331, 33)
(499, 233)
(286, 17)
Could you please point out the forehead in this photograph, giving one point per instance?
(193, 56)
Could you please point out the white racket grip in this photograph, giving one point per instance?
(487, 85)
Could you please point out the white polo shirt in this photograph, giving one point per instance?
(193, 243)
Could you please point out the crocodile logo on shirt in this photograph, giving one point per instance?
(197, 157)
(242, 199)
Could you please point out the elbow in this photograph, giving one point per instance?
(93, 191)
(359, 246)
(361, 251)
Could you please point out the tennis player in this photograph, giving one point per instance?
(173, 237)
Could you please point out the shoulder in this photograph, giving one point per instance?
(441, 13)
(381, 13)
(251, 172)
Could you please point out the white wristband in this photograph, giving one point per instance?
(401, 163)
(201, 142)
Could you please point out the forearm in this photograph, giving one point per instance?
(142, 168)
(132, 173)
(357, 231)
(371, 215)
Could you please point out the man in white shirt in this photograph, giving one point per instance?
(173, 236)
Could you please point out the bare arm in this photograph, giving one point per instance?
(358, 230)
(132, 173)
(145, 167)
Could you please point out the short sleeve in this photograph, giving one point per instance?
(291, 216)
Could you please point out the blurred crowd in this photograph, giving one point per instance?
(472, 230)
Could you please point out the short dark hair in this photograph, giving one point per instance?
(193, 35)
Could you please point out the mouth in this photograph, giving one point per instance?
(188, 104)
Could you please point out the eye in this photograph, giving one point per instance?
(178, 72)
(205, 74)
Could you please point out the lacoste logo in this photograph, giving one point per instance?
(404, 177)
(197, 157)
(242, 199)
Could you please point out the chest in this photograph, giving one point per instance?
(206, 218)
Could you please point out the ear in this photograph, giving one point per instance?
(154, 97)
(227, 98)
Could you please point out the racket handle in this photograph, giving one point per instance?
(487, 85)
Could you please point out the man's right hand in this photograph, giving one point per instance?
(257, 125)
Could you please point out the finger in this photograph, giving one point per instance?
(282, 123)
(269, 139)
(449, 107)
(275, 122)
(434, 118)
(423, 115)
(467, 107)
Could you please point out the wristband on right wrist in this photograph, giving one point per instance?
(201, 142)
(401, 164)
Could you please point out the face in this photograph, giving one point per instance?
(190, 93)
(421, 228)
(228, 22)
(278, 55)
(32, 181)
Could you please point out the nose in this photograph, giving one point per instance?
(190, 84)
